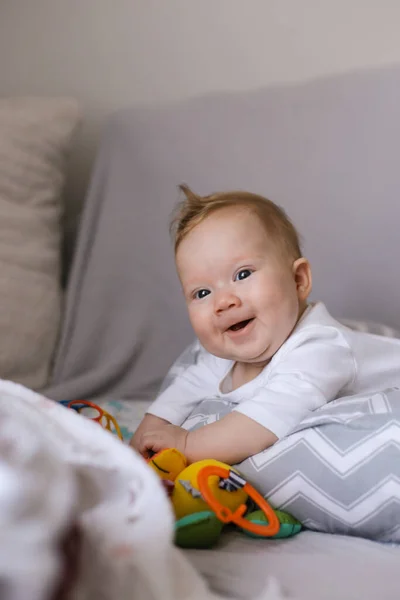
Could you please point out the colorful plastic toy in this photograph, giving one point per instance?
(104, 418)
(208, 494)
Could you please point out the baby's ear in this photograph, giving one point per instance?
(302, 277)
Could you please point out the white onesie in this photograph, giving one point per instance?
(320, 361)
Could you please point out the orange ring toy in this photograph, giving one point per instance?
(224, 513)
(103, 414)
(87, 403)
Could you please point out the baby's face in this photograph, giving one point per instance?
(241, 293)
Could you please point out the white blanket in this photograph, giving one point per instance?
(58, 468)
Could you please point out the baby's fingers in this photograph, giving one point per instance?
(150, 443)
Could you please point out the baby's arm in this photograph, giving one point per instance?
(212, 441)
(231, 440)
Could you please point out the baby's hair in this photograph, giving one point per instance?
(193, 209)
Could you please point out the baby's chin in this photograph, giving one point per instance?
(254, 360)
(251, 358)
(259, 353)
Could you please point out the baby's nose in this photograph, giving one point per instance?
(224, 301)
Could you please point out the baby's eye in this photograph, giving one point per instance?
(201, 294)
(243, 274)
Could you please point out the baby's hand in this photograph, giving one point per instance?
(149, 423)
(170, 436)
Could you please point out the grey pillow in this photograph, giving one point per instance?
(338, 472)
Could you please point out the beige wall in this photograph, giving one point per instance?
(118, 52)
(113, 53)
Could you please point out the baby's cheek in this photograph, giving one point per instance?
(282, 303)
(198, 321)
(207, 335)
(270, 297)
(290, 313)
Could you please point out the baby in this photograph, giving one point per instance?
(273, 354)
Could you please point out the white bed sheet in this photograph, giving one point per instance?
(309, 566)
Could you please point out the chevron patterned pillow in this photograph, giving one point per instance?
(338, 472)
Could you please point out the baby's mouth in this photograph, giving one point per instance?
(240, 325)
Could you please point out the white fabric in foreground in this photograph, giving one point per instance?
(57, 468)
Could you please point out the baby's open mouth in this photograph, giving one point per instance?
(240, 325)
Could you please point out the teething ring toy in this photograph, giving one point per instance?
(224, 513)
(84, 404)
(79, 405)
